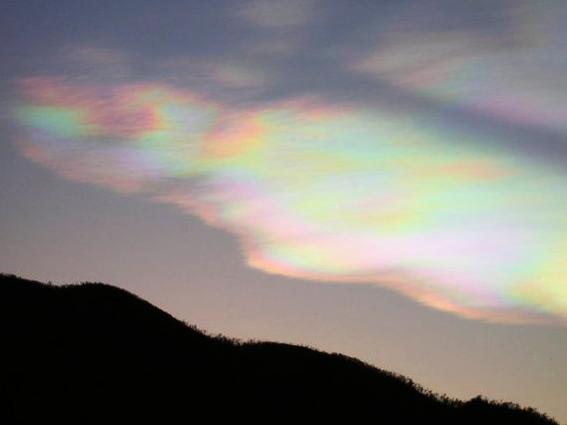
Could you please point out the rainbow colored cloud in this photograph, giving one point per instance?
(326, 192)
(516, 73)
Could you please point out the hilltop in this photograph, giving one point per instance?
(94, 353)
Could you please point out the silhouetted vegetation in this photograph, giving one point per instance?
(94, 353)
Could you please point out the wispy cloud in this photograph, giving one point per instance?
(324, 191)
(514, 74)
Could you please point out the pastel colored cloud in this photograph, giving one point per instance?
(515, 73)
(326, 192)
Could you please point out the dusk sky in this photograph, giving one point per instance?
(385, 179)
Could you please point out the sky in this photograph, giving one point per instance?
(385, 179)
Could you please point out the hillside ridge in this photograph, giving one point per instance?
(92, 351)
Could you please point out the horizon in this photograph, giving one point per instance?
(93, 320)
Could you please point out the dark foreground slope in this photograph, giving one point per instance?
(94, 353)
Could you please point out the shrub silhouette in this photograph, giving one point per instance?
(94, 353)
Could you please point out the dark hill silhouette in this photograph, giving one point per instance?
(94, 353)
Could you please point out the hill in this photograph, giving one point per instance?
(94, 353)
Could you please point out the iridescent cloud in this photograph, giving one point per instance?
(516, 73)
(326, 192)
